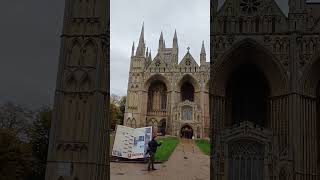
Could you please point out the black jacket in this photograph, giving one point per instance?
(153, 145)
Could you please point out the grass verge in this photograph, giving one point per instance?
(204, 146)
(165, 150)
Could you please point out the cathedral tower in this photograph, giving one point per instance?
(80, 131)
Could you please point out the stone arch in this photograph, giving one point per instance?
(191, 79)
(133, 123)
(162, 126)
(75, 54)
(158, 77)
(260, 56)
(90, 54)
(128, 122)
(157, 97)
(186, 131)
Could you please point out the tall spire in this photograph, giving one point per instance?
(147, 53)
(203, 50)
(132, 52)
(141, 45)
(203, 55)
(175, 40)
(150, 58)
(141, 40)
(161, 43)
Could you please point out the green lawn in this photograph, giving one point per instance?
(165, 150)
(204, 145)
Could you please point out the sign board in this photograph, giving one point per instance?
(131, 143)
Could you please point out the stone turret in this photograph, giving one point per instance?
(203, 55)
(141, 46)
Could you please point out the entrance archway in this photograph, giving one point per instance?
(162, 127)
(248, 92)
(186, 132)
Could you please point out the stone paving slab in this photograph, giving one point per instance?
(186, 163)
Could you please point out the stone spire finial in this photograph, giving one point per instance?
(132, 52)
(175, 40)
(141, 46)
(161, 43)
(147, 53)
(203, 50)
(203, 55)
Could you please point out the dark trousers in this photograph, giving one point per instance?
(151, 161)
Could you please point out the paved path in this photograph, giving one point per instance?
(186, 163)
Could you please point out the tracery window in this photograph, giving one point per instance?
(157, 97)
(186, 113)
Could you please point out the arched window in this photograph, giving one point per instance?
(187, 92)
(186, 113)
(157, 97)
(249, 90)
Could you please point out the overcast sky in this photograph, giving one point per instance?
(30, 41)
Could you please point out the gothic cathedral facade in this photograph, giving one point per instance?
(168, 94)
(264, 90)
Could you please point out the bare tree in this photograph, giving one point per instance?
(15, 118)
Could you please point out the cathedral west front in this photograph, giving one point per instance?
(168, 94)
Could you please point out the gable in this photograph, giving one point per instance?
(158, 64)
(188, 61)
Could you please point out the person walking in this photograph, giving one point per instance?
(152, 149)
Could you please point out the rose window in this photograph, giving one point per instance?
(250, 6)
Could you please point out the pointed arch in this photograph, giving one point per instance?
(128, 122)
(75, 54)
(191, 79)
(133, 123)
(85, 82)
(90, 54)
(158, 77)
(71, 83)
(249, 51)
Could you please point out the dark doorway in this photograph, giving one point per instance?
(186, 132)
(162, 127)
(187, 92)
(248, 92)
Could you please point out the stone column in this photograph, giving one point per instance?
(74, 153)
